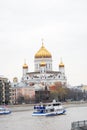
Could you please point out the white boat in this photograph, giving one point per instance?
(48, 109)
(4, 110)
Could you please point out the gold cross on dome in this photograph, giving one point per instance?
(24, 61)
(42, 41)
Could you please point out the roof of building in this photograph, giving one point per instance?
(43, 53)
(25, 66)
(61, 64)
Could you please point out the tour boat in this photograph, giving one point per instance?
(4, 110)
(49, 109)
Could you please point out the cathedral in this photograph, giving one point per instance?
(43, 73)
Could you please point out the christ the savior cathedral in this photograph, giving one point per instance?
(43, 73)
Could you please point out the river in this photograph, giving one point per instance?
(24, 120)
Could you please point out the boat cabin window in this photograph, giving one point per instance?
(57, 104)
(49, 105)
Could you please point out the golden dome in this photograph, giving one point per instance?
(15, 79)
(43, 53)
(43, 63)
(61, 64)
(25, 66)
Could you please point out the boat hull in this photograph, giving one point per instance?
(4, 110)
(48, 114)
(5, 113)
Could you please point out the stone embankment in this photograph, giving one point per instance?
(75, 104)
(27, 107)
(19, 108)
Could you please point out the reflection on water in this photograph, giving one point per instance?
(25, 121)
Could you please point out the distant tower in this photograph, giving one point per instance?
(25, 69)
(15, 80)
(61, 67)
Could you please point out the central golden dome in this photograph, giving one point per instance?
(43, 53)
(43, 63)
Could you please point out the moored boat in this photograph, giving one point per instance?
(4, 110)
(48, 109)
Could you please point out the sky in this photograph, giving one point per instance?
(61, 23)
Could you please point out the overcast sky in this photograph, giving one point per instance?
(61, 23)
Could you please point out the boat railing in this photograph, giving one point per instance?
(78, 124)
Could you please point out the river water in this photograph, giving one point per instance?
(24, 120)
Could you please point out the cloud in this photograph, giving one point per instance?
(62, 24)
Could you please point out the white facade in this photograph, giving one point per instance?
(44, 73)
(37, 62)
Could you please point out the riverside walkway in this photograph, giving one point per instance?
(27, 107)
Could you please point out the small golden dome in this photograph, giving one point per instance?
(43, 53)
(43, 63)
(15, 79)
(25, 66)
(61, 64)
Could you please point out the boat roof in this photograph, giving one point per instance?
(2, 108)
(50, 103)
(54, 103)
